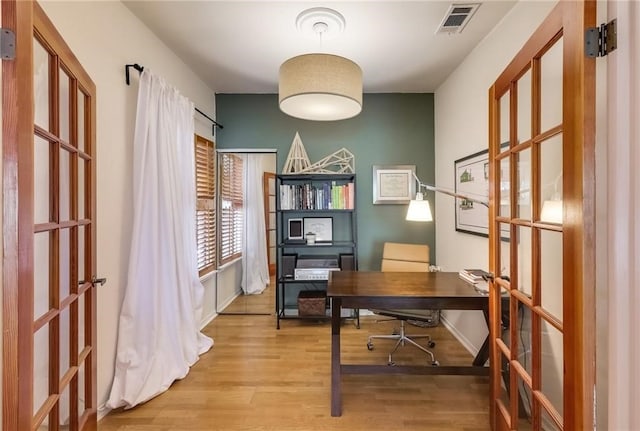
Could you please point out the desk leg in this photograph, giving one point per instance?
(483, 353)
(336, 396)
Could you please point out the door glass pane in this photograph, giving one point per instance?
(65, 263)
(525, 403)
(547, 423)
(81, 390)
(81, 188)
(505, 388)
(524, 340)
(524, 107)
(551, 87)
(65, 336)
(272, 203)
(551, 180)
(505, 316)
(65, 185)
(551, 272)
(505, 188)
(551, 371)
(504, 119)
(81, 126)
(524, 260)
(64, 408)
(40, 367)
(81, 314)
(505, 252)
(40, 274)
(272, 255)
(64, 104)
(524, 184)
(81, 240)
(40, 85)
(42, 180)
(272, 221)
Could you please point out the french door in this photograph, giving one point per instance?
(542, 113)
(49, 230)
(269, 191)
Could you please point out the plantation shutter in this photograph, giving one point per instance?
(205, 205)
(231, 214)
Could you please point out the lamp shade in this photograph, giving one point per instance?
(419, 209)
(321, 87)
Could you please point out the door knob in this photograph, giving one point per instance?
(94, 281)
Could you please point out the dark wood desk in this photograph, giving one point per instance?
(398, 290)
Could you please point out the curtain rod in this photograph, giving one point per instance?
(140, 68)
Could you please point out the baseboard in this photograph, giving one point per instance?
(204, 322)
(103, 410)
(459, 336)
(228, 301)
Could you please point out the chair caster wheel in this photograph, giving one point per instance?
(391, 363)
(435, 363)
(370, 346)
(431, 344)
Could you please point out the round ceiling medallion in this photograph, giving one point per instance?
(320, 20)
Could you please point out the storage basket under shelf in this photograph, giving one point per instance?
(312, 303)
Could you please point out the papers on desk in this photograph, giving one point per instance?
(478, 278)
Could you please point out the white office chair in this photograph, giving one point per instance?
(397, 257)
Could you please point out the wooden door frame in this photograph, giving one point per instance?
(17, 142)
(22, 17)
(579, 208)
(265, 191)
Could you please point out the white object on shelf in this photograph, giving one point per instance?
(297, 159)
(340, 162)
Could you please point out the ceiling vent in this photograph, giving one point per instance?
(457, 18)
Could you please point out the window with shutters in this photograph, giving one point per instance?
(231, 207)
(205, 205)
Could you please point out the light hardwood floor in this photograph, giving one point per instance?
(258, 378)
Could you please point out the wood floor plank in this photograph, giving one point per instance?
(257, 378)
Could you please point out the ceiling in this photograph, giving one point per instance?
(238, 46)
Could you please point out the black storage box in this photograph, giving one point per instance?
(312, 303)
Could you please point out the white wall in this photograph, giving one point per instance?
(105, 36)
(618, 318)
(603, 208)
(461, 128)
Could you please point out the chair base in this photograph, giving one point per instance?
(403, 338)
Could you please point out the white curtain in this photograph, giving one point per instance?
(255, 274)
(158, 333)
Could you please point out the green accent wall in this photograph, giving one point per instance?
(392, 129)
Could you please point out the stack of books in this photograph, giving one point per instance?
(476, 277)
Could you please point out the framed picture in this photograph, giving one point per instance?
(472, 179)
(321, 226)
(393, 184)
(294, 229)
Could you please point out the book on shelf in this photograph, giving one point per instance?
(326, 196)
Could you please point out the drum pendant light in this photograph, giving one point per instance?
(320, 87)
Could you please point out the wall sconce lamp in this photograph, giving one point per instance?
(552, 208)
(419, 208)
